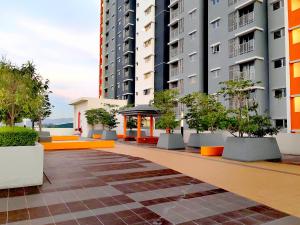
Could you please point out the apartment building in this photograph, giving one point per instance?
(119, 49)
(238, 40)
(101, 50)
(293, 13)
(152, 39)
(187, 69)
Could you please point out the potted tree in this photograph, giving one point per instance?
(166, 102)
(204, 113)
(249, 129)
(110, 122)
(95, 117)
(17, 144)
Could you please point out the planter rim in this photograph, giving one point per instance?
(250, 138)
(23, 146)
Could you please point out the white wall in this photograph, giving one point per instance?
(142, 67)
(60, 131)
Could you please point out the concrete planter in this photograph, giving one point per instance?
(21, 166)
(171, 141)
(109, 135)
(92, 132)
(133, 133)
(206, 139)
(251, 149)
(44, 136)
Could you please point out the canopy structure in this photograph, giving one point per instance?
(141, 111)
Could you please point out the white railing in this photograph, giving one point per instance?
(238, 76)
(246, 19)
(246, 47)
(174, 33)
(174, 13)
(174, 52)
(174, 72)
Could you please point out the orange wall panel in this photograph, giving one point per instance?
(295, 82)
(295, 117)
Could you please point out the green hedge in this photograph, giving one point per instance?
(17, 136)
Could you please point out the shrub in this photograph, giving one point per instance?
(17, 136)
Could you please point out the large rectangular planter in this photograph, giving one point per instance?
(206, 139)
(92, 132)
(21, 166)
(171, 141)
(251, 149)
(109, 135)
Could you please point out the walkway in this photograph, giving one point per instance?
(97, 187)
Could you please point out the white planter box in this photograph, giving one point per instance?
(21, 166)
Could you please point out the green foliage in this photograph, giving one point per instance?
(243, 118)
(131, 123)
(204, 112)
(96, 116)
(166, 101)
(167, 121)
(17, 136)
(23, 94)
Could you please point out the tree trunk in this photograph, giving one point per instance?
(32, 125)
(40, 124)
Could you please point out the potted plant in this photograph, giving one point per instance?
(166, 102)
(110, 122)
(204, 113)
(95, 117)
(249, 129)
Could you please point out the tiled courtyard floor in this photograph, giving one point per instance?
(97, 187)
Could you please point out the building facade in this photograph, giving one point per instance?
(293, 12)
(119, 49)
(192, 46)
(186, 46)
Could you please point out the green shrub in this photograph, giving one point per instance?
(17, 136)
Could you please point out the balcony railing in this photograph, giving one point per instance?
(174, 13)
(246, 19)
(232, 2)
(174, 33)
(246, 47)
(127, 75)
(238, 76)
(174, 52)
(174, 72)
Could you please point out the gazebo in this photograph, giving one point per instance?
(139, 112)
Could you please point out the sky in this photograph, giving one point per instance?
(61, 37)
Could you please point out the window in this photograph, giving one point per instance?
(193, 80)
(215, 49)
(147, 75)
(277, 5)
(281, 124)
(280, 93)
(296, 69)
(214, 2)
(296, 35)
(193, 57)
(193, 35)
(215, 24)
(148, 27)
(279, 33)
(147, 43)
(297, 104)
(295, 5)
(215, 73)
(147, 91)
(148, 10)
(147, 59)
(278, 63)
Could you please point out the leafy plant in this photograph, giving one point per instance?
(204, 112)
(131, 123)
(166, 101)
(17, 136)
(243, 117)
(96, 116)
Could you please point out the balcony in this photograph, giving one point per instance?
(174, 72)
(128, 74)
(246, 47)
(174, 13)
(174, 33)
(238, 76)
(246, 19)
(232, 2)
(174, 52)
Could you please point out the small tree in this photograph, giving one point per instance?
(204, 112)
(110, 117)
(131, 123)
(243, 115)
(166, 102)
(95, 117)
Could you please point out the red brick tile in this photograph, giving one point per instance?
(3, 217)
(18, 215)
(76, 206)
(58, 209)
(38, 212)
(69, 222)
(89, 221)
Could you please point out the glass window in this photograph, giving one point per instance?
(296, 69)
(296, 36)
(295, 4)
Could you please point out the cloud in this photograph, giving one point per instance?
(66, 56)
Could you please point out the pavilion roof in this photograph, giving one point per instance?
(144, 110)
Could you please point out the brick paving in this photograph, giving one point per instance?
(97, 187)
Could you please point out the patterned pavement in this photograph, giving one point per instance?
(96, 187)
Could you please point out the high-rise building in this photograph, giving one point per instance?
(152, 38)
(293, 12)
(119, 49)
(193, 45)
(187, 67)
